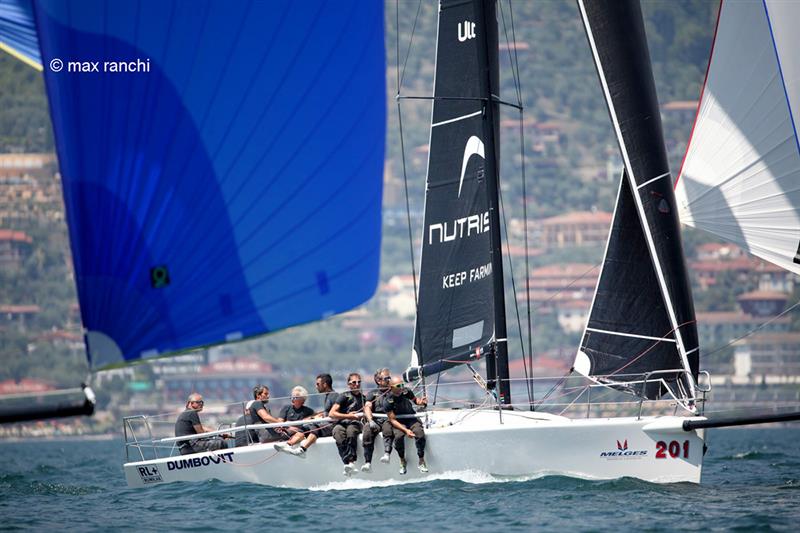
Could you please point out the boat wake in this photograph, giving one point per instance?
(751, 455)
(472, 477)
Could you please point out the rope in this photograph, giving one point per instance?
(514, 290)
(629, 363)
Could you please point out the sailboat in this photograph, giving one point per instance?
(461, 309)
(238, 192)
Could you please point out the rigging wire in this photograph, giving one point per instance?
(515, 69)
(761, 326)
(516, 305)
(527, 357)
(401, 75)
(568, 285)
(403, 155)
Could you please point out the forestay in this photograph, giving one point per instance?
(642, 316)
(222, 164)
(741, 173)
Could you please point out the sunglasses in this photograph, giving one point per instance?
(355, 383)
(298, 398)
(399, 386)
(387, 378)
(201, 402)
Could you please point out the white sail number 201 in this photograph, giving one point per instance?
(674, 449)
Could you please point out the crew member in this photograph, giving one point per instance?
(188, 423)
(348, 411)
(324, 385)
(261, 414)
(297, 410)
(398, 405)
(373, 403)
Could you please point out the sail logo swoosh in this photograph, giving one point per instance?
(474, 147)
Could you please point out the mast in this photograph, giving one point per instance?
(497, 362)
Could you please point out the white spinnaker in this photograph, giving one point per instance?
(741, 174)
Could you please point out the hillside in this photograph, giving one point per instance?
(569, 156)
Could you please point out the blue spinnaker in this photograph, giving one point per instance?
(222, 164)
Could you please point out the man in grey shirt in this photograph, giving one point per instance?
(188, 423)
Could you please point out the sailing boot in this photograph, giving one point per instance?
(297, 451)
(422, 466)
(403, 468)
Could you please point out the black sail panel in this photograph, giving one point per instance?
(455, 316)
(629, 332)
(615, 29)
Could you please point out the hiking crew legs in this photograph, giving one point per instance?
(346, 438)
(369, 439)
(203, 445)
(386, 429)
(400, 440)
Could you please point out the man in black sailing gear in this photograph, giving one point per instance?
(398, 405)
(373, 403)
(188, 423)
(324, 386)
(261, 414)
(348, 411)
(293, 412)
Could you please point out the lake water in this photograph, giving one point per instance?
(751, 481)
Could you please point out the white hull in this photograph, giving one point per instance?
(654, 449)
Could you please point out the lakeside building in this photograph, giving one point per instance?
(759, 314)
(566, 289)
(228, 381)
(18, 315)
(767, 358)
(717, 260)
(15, 247)
(30, 188)
(576, 229)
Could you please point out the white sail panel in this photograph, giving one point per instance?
(741, 173)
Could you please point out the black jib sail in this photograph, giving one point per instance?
(642, 319)
(457, 309)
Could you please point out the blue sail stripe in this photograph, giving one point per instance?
(780, 72)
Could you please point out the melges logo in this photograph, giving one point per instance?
(622, 452)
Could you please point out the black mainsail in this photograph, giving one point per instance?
(642, 318)
(461, 308)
